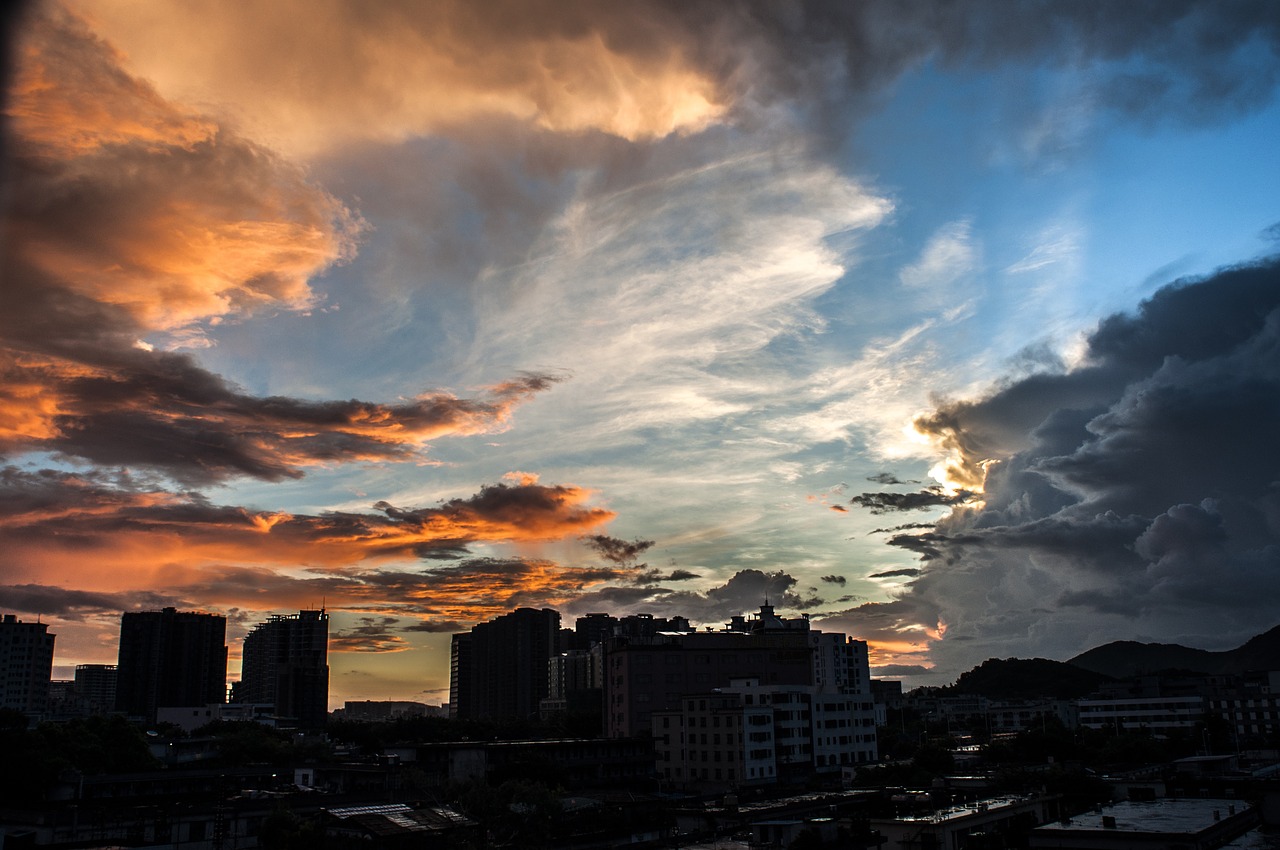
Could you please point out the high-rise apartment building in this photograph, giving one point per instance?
(26, 665)
(168, 659)
(95, 687)
(460, 675)
(500, 669)
(286, 664)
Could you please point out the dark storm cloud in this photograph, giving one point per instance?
(834, 579)
(930, 497)
(1138, 494)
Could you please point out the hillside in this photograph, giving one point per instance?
(1024, 678)
(1125, 658)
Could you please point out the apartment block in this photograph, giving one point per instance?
(500, 669)
(286, 665)
(170, 658)
(1158, 714)
(26, 665)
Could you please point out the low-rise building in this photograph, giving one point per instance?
(958, 827)
(190, 718)
(751, 734)
(1158, 714)
(1187, 824)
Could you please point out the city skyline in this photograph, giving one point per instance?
(953, 326)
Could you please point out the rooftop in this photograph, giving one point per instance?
(1167, 816)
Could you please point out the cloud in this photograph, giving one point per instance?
(371, 634)
(132, 202)
(656, 576)
(904, 527)
(436, 627)
(1133, 495)
(646, 69)
(900, 670)
(744, 592)
(620, 552)
(930, 497)
(68, 604)
(907, 572)
(948, 256)
(833, 579)
(402, 70)
(888, 479)
(49, 515)
(160, 410)
(130, 218)
(444, 598)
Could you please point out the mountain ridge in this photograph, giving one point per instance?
(1123, 659)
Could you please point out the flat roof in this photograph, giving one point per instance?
(1176, 817)
(981, 807)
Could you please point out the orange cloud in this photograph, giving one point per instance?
(309, 77)
(132, 201)
(128, 216)
(50, 518)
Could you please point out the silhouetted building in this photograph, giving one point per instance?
(95, 687)
(653, 673)
(575, 681)
(646, 674)
(286, 664)
(377, 711)
(593, 629)
(501, 671)
(1251, 709)
(26, 665)
(460, 675)
(170, 658)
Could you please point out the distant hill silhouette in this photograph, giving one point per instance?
(1025, 678)
(1123, 659)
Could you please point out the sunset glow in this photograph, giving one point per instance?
(953, 326)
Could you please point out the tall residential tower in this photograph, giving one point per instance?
(170, 659)
(499, 669)
(26, 665)
(286, 664)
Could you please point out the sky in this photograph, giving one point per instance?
(955, 326)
